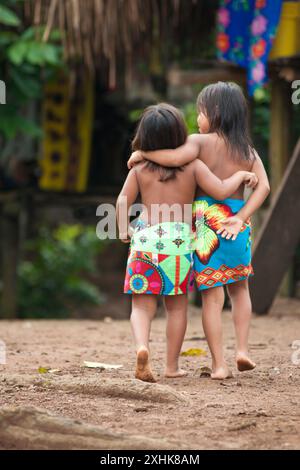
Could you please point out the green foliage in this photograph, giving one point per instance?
(135, 114)
(33, 52)
(8, 17)
(11, 123)
(27, 62)
(260, 128)
(51, 282)
(190, 115)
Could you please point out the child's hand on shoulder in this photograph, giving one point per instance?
(135, 158)
(250, 179)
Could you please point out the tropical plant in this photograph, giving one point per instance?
(52, 281)
(190, 115)
(26, 61)
(260, 121)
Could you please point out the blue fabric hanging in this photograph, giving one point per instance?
(245, 34)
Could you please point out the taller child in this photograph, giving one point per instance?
(223, 251)
(160, 254)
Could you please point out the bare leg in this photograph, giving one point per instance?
(143, 311)
(212, 306)
(241, 310)
(176, 308)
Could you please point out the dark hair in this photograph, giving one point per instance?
(161, 127)
(225, 107)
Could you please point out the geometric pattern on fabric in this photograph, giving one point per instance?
(160, 259)
(176, 271)
(152, 273)
(170, 238)
(210, 277)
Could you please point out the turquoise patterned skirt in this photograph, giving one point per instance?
(218, 261)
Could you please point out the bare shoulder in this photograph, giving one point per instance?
(209, 140)
(256, 160)
(194, 138)
(199, 142)
(212, 138)
(197, 139)
(139, 167)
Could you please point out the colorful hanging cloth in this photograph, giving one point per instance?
(245, 34)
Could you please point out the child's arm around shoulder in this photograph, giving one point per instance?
(221, 189)
(126, 198)
(179, 156)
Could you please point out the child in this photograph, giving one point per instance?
(160, 255)
(222, 253)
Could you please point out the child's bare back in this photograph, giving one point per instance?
(179, 190)
(217, 156)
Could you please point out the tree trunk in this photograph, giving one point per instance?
(32, 428)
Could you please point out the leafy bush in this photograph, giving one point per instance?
(190, 115)
(51, 284)
(261, 116)
(27, 62)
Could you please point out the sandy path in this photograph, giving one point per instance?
(255, 410)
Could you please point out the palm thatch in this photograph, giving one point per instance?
(99, 32)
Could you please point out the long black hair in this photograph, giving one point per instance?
(225, 106)
(160, 127)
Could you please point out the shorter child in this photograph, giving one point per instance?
(161, 250)
(223, 231)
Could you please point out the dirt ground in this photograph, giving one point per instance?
(254, 410)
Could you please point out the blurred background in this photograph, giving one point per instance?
(77, 75)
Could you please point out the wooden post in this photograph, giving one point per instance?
(9, 258)
(280, 130)
(277, 240)
(280, 147)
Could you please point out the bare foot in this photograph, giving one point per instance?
(143, 370)
(170, 374)
(221, 373)
(243, 362)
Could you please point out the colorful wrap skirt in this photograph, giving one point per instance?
(160, 259)
(218, 261)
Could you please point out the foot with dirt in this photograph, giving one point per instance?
(143, 370)
(244, 363)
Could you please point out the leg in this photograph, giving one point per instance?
(212, 306)
(143, 312)
(241, 310)
(176, 309)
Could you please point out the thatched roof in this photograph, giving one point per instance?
(101, 32)
(94, 30)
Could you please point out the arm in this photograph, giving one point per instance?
(125, 199)
(220, 189)
(180, 156)
(233, 225)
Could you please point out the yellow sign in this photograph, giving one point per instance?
(67, 122)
